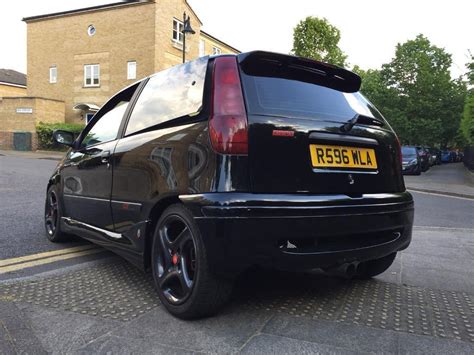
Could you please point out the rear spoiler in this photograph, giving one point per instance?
(268, 64)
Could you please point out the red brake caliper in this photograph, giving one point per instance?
(174, 259)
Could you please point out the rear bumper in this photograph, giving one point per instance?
(299, 232)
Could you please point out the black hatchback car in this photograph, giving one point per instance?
(204, 170)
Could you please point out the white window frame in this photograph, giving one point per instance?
(178, 29)
(131, 69)
(53, 74)
(93, 68)
(202, 47)
(216, 51)
(88, 117)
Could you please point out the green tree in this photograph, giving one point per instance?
(467, 120)
(316, 38)
(387, 100)
(425, 102)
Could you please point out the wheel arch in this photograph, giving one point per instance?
(154, 215)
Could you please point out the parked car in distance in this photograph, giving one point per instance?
(229, 162)
(458, 156)
(448, 156)
(425, 158)
(445, 156)
(411, 160)
(435, 155)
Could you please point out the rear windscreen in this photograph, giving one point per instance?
(408, 151)
(292, 98)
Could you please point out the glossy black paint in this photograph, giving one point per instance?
(246, 206)
(282, 164)
(86, 184)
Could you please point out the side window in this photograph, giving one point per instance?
(53, 75)
(202, 48)
(172, 93)
(91, 75)
(109, 118)
(131, 70)
(177, 31)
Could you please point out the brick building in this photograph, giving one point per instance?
(12, 83)
(80, 58)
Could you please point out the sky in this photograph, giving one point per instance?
(370, 29)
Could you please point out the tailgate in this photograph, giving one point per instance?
(297, 142)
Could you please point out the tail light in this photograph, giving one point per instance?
(228, 129)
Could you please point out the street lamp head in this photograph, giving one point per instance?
(187, 26)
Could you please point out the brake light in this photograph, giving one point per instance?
(228, 129)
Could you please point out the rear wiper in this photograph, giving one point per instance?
(346, 127)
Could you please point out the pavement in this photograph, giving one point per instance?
(452, 179)
(38, 154)
(78, 298)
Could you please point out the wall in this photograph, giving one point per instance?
(43, 110)
(140, 32)
(210, 42)
(168, 53)
(8, 91)
(122, 34)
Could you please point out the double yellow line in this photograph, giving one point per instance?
(23, 262)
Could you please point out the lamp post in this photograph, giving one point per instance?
(186, 29)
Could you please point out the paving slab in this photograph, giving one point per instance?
(118, 345)
(65, 331)
(224, 333)
(272, 344)
(16, 332)
(415, 344)
(335, 334)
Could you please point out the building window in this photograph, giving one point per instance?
(177, 31)
(216, 51)
(202, 48)
(91, 30)
(131, 70)
(53, 75)
(91, 75)
(88, 116)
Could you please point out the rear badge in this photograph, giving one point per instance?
(351, 179)
(282, 133)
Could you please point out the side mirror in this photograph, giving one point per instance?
(63, 137)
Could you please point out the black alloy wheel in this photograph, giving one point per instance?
(51, 218)
(176, 260)
(184, 282)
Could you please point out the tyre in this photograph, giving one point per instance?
(184, 283)
(52, 217)
(418, 170)
(371, 268)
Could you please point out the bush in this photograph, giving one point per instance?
(45, 134)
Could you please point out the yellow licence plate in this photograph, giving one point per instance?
(332, 156)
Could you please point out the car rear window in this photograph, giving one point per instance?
(408, 151)
(293, 98)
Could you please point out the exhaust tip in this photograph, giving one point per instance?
(350, 270)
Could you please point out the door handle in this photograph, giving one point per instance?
(105, 155)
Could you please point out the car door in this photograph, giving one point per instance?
(87, 172)
(163, 148)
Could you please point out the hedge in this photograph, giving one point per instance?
(45, 134)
